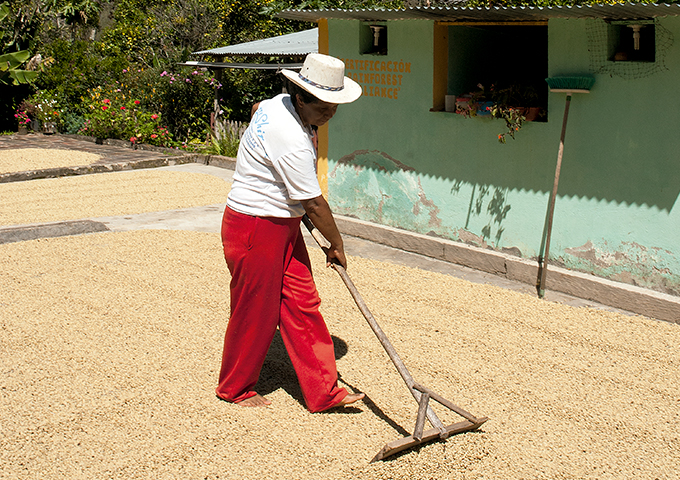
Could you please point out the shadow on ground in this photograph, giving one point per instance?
(278, 372)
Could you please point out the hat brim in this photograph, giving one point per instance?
(350, 92)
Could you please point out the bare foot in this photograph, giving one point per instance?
(255, 401)
(350, 398)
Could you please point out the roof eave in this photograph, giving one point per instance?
(622, 11)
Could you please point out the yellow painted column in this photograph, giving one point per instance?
(323, 36)
(322, 154)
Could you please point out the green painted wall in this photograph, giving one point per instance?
(393, 161)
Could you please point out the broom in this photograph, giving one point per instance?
(568, 85)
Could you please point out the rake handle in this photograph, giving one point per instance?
(384, 341)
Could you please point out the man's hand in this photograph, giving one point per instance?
(320, 214)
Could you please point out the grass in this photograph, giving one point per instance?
(225, 146)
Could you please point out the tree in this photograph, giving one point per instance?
(75, 14)
(10, 73)
(11, 61)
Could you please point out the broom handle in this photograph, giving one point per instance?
(551, 205)
(384, 341)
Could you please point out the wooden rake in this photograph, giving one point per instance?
(421, 394)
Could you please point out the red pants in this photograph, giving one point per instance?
(272, 286)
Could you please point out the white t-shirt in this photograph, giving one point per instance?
(276, 163)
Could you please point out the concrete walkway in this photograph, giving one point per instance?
(362, 238)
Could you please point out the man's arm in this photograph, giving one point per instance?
(253, 109)
(321, 216)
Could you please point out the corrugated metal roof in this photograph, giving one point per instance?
(623, 11)
(246, 66)
(292, 44)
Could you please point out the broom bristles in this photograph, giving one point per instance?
(571, 84)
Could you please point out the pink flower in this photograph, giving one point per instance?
(133, 139)
(107, 101)
(164, 73)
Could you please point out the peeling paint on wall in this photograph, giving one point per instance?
(628, 262)
(374, 186)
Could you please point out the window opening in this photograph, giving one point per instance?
(602, 48)
(632, 41)
(373, 39)
(493, 64)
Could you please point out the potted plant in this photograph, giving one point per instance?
(28, 107)
(514, 104)
(24, 120)
(47, 110)
(474, 104)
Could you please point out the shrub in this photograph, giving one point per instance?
(183, 99)
(46, 106)
(117, 113)
(186, 98)
(72, 123)
(73, 68)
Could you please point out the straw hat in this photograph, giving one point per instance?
(324, 77)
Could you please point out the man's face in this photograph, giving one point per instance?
(316, 113)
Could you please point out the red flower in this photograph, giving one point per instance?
(137, 102)
(104, 107)
(106, 100)
(122, 108)
(133, 139)
(153, 135)
(154, 116)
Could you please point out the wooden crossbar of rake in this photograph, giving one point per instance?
(421, 394)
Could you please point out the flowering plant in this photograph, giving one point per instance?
(514, 119)
(510, 104)
(115, 113)
(22, 117)
(146, 105)
(187, 99)
(46, 106)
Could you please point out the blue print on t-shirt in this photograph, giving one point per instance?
(256, 129)
(260, 120)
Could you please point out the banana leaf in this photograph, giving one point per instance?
(9, 71)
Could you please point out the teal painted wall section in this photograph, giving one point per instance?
(618, 215)
(393, 161)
